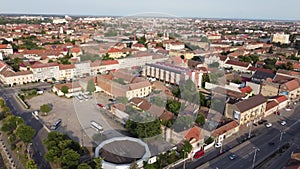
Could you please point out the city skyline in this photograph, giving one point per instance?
(232, 9)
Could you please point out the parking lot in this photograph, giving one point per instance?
(76, 116)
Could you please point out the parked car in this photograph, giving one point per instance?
(271, 143)
(262, 121)
(232, 156)
(288, 108)
(268, 125)
(199, 154)
(217, 145)
(283, 123)
(100, 105)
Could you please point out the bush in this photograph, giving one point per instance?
(209, 140)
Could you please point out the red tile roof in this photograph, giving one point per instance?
(43, 65)
(109, 62)
(246, 89)
(271, 104)
(281, 98)
(64, 67)
(194, 133)
(225, 128)
(237, 63)
(293, 84)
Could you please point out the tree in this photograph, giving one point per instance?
(158, 101)
(11, 122)
(205, 78)
(134, 165)
(69, 158)
(91, 86)
(98, 162)
(144, 130)
(2, 103)
(200, 119)
(25, 132)
(30, 164)
(84, 166)
(209, 140)
(65, 89)
(187, 147)
(45, 108)
(173, 106)
(176, 92)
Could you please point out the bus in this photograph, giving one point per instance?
(56, 124)
(96, 126)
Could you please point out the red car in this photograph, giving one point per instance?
(100, 105)
(199, 154)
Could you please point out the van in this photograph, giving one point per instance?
(96, 126)
(79, 98)
(56, 124)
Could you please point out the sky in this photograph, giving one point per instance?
(250, 9)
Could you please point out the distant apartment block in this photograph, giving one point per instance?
(123, 84)
(45, 71)
(172, 74)
(280, 38)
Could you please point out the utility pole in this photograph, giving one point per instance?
(249, 135)
(255, 151)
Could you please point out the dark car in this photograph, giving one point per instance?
(262, 121)
(271, 143)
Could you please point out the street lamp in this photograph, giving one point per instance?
(255, 151)
(251, 124)
(183, 159)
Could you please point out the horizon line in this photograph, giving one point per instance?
(173, 16)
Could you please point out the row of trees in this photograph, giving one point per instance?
(16, 130)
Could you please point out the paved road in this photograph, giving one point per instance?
(246, 151)
(263, 137)
(39, 150)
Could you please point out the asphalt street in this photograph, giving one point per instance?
(245, 151)
(17, 109)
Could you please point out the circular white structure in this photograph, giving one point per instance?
(120, 152)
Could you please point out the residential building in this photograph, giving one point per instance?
(291, 89)
(83, 69)
(172, 74)
(280, 38)
(225, 131)
(67, 72)
(246, 111)
(237, 66)
(73, 89)
(122, 84)
(6, 49)
(46, 71)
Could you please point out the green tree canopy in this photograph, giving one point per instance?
(65, 89)
(25, 132)
(45, 108)
(69, 158)
(173, 106)
(144, 130)
(11, 122)
(200, 120)
(30, 164)
(91, 86)
(98, 162)
(84, 166)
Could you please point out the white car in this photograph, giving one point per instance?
(268, 125)
(217, 145)
(283, 123)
